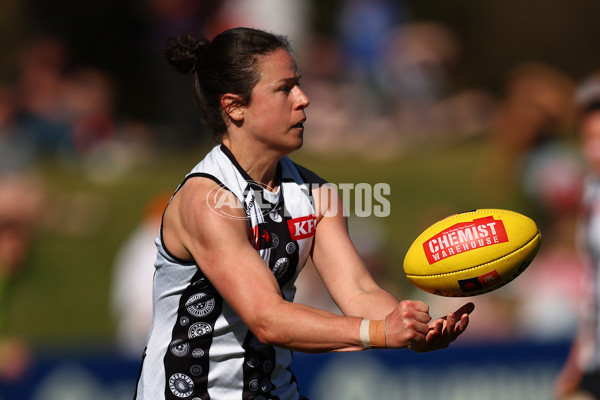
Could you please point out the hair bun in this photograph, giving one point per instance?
(183, 52)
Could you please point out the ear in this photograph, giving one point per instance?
(231, 105)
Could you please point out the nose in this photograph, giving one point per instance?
(302, 100)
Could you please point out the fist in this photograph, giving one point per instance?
(407, 325)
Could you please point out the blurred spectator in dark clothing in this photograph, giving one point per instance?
(18, 151)
(41, 67)
(88, 105)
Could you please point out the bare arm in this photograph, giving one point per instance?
(407, 323)
(339, 265)
(221, 248)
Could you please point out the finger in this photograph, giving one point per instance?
(465, 309)
(450, 322)
(438, 326)
(419, 305)
(422, 317)
(421, 328)
(433, 324)
(437, 339)
(422, 306)
(434, 335)
(461, 326)
(464, 322)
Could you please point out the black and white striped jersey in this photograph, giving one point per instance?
(589, 236)
(198, 347)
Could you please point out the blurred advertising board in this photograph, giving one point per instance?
(520, 370)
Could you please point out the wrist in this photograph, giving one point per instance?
(373, 334)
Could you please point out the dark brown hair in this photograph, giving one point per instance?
(227, 64)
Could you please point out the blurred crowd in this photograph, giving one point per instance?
(380, 85)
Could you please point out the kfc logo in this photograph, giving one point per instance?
(303, 227)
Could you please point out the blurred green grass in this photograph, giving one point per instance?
(62, 297)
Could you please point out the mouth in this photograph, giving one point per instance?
(299, 125)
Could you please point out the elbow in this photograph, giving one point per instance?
(267, 327)
(266, 332)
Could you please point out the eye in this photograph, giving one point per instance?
(289, 84)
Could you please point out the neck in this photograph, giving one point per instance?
(260, 165)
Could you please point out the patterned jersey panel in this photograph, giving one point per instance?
(199, 348)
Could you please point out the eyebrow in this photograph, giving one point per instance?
(294, 79)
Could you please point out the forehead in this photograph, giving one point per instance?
(276, 66)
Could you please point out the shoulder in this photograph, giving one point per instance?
(202, 213)
(202, 204)
(309, 176)
(201, 193)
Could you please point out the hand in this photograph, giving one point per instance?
(409, 326)
(445, 330)
(406, 326)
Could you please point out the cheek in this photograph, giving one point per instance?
(263, 123)
(264, 119)
(270, 114)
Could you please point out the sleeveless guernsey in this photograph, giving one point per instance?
(590, 236)
(198, 347)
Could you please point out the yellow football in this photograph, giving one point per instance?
(472, 253)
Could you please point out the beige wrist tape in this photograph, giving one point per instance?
(372, 334)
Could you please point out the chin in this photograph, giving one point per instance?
(299, 144)
(290, 144)
(290, 149)
(294, 144)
